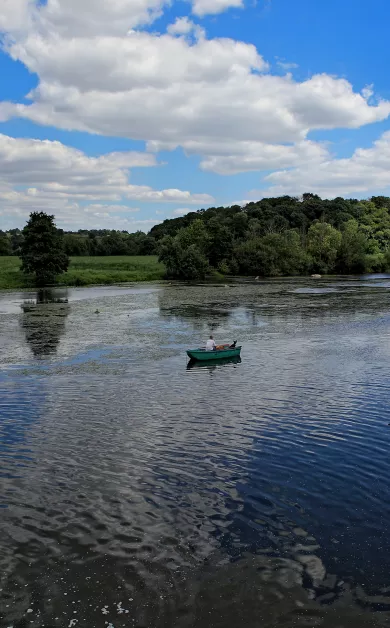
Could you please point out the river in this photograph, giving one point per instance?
(135, 491)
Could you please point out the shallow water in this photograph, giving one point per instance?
(138, 492)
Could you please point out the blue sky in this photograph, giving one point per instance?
(139, 110)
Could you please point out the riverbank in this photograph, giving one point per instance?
(87, 271)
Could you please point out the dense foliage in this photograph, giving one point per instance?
(279, 236)
(42, 250)
(274, 236)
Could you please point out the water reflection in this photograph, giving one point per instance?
(212, 365)
(43, 321)
(203, 317)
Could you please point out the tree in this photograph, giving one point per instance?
(196, 234)
(42, 252)
(182, 259)
(323, 245)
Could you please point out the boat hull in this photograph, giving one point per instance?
(202, 355)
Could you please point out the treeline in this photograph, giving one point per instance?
(279, 236)
(271, 237)
(88, 243)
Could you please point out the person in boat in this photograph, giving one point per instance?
(210, 344)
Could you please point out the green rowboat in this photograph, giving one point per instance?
(219, 354)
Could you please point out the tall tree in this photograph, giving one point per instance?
(42, 252)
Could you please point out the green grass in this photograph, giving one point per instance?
(85, 271)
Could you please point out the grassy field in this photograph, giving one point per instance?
(85, 271)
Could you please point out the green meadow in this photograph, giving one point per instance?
(86, 271)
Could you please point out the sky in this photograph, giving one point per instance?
(119, 114)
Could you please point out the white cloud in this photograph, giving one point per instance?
(171, 91)
(49, 176)
(192, 109)
(56, 166)
(75, 18)
(142, 65)
(367, 170)
(15, 14)
(226, 158)
(184, 26)
(15, 207)
(116, 209)
(287, 66)
(211, 7)
(368, 92)
(213, 97)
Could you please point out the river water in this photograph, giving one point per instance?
(135, 491)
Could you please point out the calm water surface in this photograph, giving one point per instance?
(135, 491)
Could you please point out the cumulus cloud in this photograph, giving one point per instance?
(275, 110)
(286, 65)
(74, 18)
(225, 158)
(368, 169)
(184, 26)
(49, 176)
(100, 72)
(97, 75)
(127, 67)
(16, 205)
(211, 7)
(53, 165)
(15, 15)
(116, 209)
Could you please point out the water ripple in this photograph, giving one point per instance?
(137, 491)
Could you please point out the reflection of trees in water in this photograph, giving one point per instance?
(273, 301)
(319, 308)
(43, 321)
(202, 317)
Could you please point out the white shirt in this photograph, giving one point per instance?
(210, 345)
